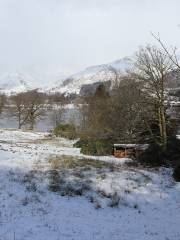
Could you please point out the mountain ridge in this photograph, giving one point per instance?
(14, 83)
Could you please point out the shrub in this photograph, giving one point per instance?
(155, 156)
(66, 131)
(94, 146)
(176, 173)
(173, 152)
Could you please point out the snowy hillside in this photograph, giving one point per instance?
(99, 73)
(20, 82)
(13, 83)
(16, 83)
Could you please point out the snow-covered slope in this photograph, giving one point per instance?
(49, 191)
(13, 83)
(99, 73)
(16, 83)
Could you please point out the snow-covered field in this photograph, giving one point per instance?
(48, 190)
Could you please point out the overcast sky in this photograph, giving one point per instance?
(68, 35)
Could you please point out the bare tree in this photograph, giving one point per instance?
(57, 115)
(153, 65)
(130, 114)
(170, 53)
(34, 107)
(28, 108)
(58, 102)
(123, 115)
(20, 109)
(2, 102)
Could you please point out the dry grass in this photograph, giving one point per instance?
(70, 162)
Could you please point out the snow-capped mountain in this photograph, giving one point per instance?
(16, 83)
(85, 80)
(91, 75)
(13, 83)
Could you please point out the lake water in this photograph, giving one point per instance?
(46, 123)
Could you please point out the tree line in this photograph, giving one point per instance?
(135, 110)
(31, 106)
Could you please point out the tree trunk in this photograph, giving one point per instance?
(31, 124)
(163, 117)
(19, 121)
(164, 129)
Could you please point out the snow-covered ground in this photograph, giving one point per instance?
(49, 190)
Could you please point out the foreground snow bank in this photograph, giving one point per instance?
(20, 136)
(118, 203)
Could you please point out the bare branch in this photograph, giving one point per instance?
(172, 56)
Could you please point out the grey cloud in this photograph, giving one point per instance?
(67, 35)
